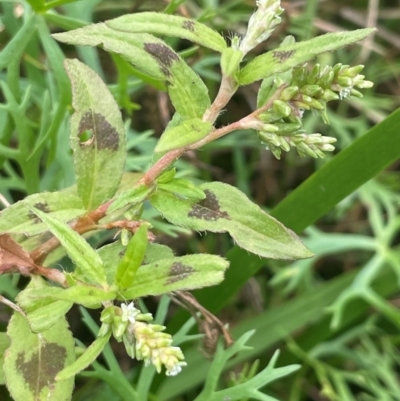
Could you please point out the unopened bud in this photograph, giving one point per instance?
(289, 92)
(282, 108)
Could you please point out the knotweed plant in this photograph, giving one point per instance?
(41, 361)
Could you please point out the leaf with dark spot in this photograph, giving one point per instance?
(208, 208)
(104, 134)
(169, 25)
(112, 253)
(175, 274)
(178, 272)
(19, 219)
(289, 55)
(162, 53)
(103, 155)
(32, 361)
(226, 209)
(151, 56)
(283, 55)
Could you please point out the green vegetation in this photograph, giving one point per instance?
(128, 129)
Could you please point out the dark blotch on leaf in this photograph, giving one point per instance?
(208, 208)
(40, 371)
(283, 55)
(43, 206)
(163, 54)
(189, 25)
(105, 136)
(177, 272)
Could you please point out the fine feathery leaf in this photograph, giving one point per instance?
(225, 208)
(288, 56)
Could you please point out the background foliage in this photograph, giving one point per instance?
(335, 314)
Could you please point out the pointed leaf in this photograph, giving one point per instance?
(132, 197)
(183, 188)
(130, 47)
(183, 273)
(33, 360)
(112, 253)
(288, 56)
(169, 25)
(81, 253)
(132, 259)
(152, 56)
(103, 155)
(84, 360)
(45, 317)
(79, 294)
(186, 133)
(227, 209)
(19, 219)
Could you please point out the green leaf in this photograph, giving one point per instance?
(19, 219)
(33, 360)
(132, 197)
(132, 259)
(82, 254)
(130, 47)
(4, 344)
(188, 132)
(288, 56)
(230, 61)
(365, 158)
(169, 25)
(89, 356)
(183, 273)
(79, 294)
(45, 317)
(111, 254)
(153, 57)
(183, 188)
(103, 154)
(225, 208)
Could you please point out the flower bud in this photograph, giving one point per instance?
(314, 74)
(286, 128)
(329, 95)
(326, 80)
(355, 93)
(352, 72)
(289, 92)
(119, 328)
(316, 104)
(345, 82)
(311, 90)
(107, 315)
(282, 108)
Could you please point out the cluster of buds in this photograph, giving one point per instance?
(142, 340)
(307, 90)
(261, 24)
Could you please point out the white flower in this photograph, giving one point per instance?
(129, 312)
